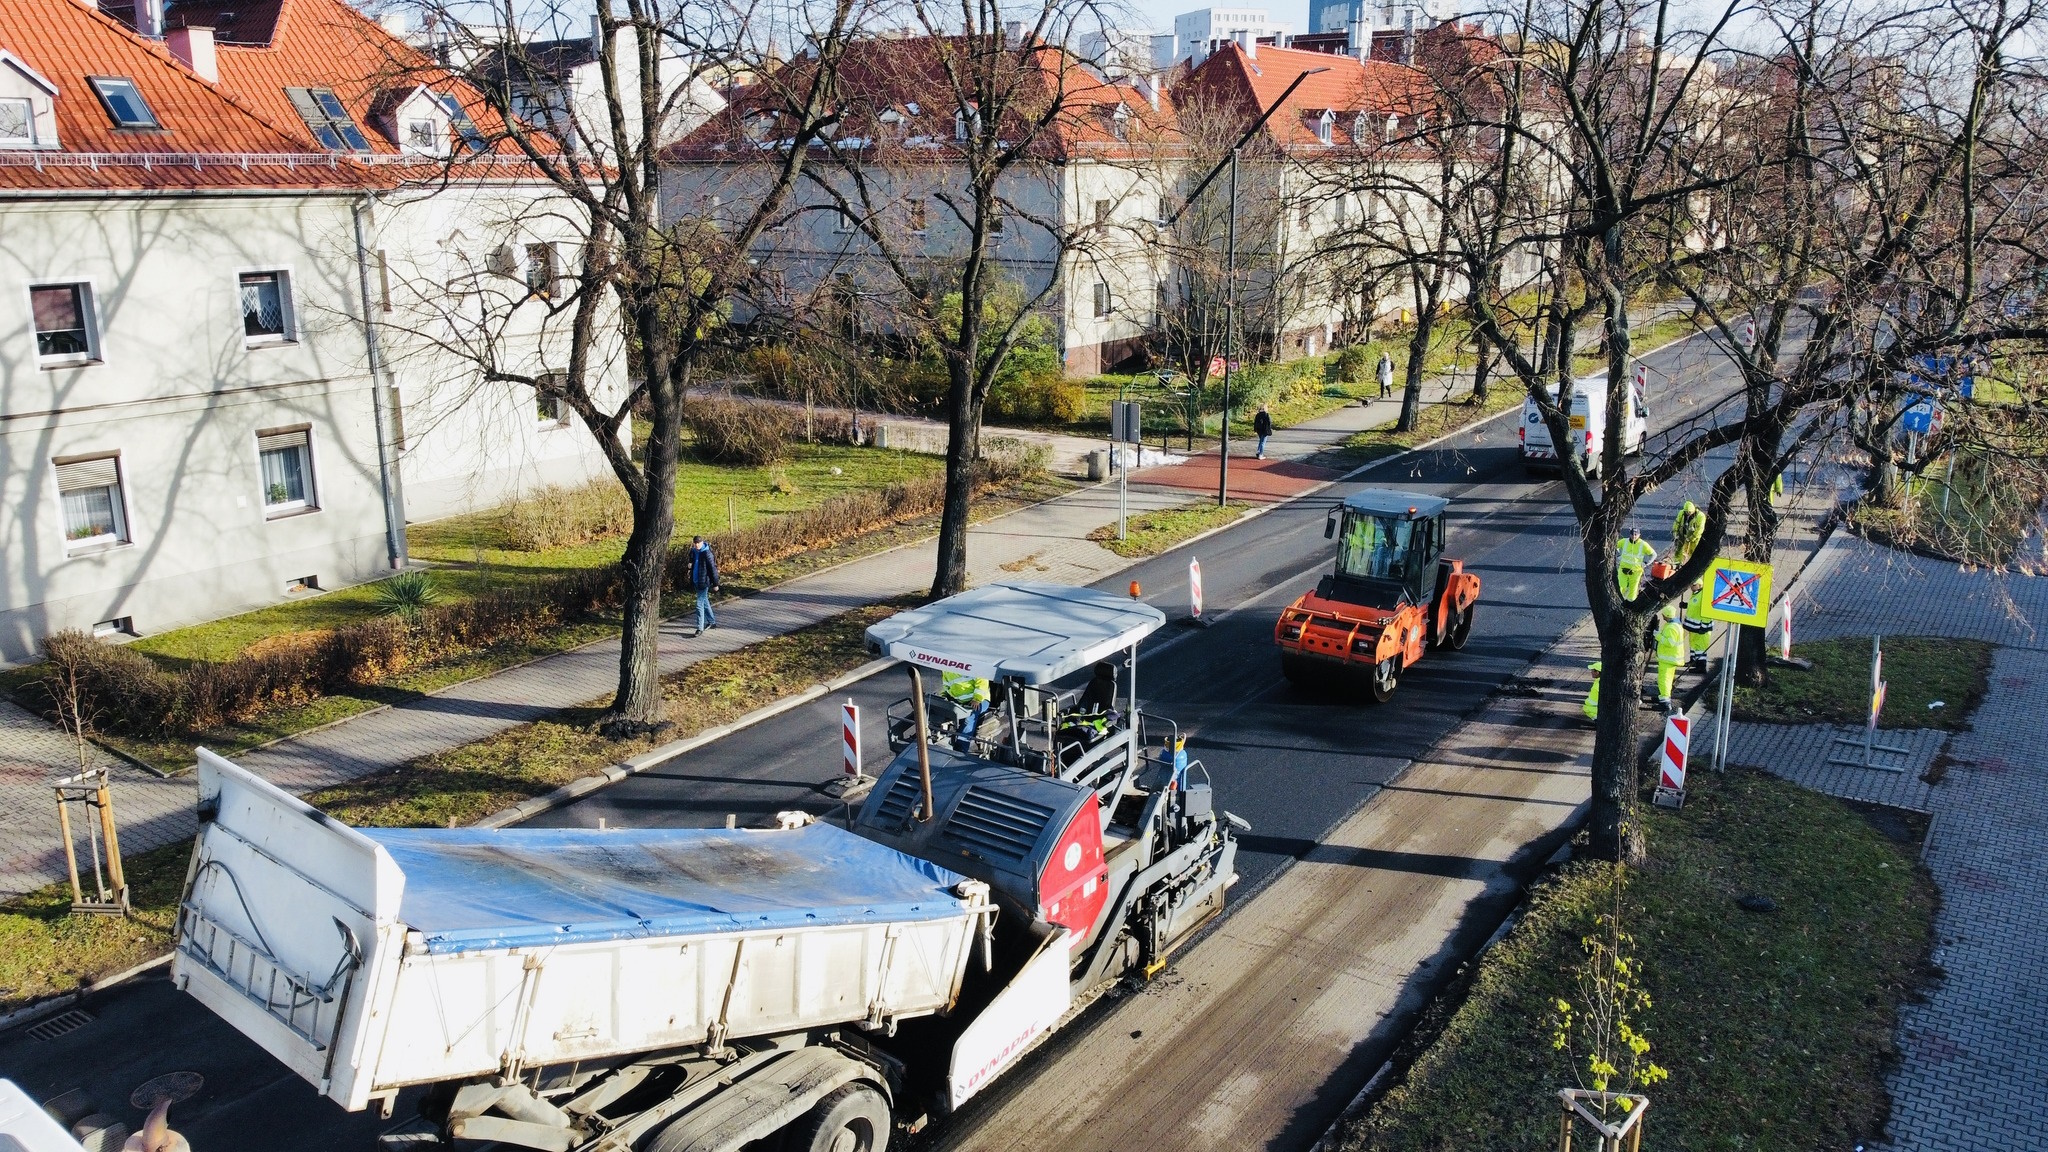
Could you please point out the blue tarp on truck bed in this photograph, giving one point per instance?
(476, 888)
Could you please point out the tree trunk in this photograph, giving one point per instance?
(1482, 363)
(638, 706)
(1884, 478)
(1760, 537)
(963, 449)
(1418, 356)
(1612, 831)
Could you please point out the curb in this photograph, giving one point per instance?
(655, 757)
(42, 1008)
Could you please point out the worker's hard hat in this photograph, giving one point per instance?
(1689, 507)
(1669, 611)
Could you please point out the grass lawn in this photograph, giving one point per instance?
(1431, 422)
(470, 554)
(1775, 1026)
(44, 950)
(1918, 671)
(1154, 532)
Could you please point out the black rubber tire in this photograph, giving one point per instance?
(1384, 678)
(1296, 670)
(853, 1118)
(1461, 628)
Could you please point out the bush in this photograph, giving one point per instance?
(558, 517)
(735, 432)
(1038, 399)
(118, 689)
(1354, 365)
(1007, 460)
(405, 594)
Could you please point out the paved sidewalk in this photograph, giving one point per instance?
(1975, 1054)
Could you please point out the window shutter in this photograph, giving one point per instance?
(77, 475)
(273, 441)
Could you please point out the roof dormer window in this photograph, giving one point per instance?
(1120, 122)
(1324, 125)
(123, 102)
(28, 113)
(1393, 126)
(327, 120)
(17, 123)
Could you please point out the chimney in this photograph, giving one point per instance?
(149, 18)
(194, 49)
(1248, 42)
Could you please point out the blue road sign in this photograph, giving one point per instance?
(1919, 418)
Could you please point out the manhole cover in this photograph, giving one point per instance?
(59, 1024)
(171, 1086)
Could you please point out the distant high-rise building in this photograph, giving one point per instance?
(1197, 34)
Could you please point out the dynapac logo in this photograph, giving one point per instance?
(937, 661)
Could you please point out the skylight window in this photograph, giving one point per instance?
(123, 102)
(327, 119)
(464, 128)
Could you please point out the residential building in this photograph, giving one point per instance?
(559, 84)
(1077, 223)
(227, 230)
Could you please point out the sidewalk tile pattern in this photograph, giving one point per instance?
(1975, 1054)
(150, 811)
(1802, 753)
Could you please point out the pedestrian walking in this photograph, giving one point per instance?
(704, 578)
(1385, 373)
(1262, 427)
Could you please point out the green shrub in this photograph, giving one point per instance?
(1007, 460)
(407, 593)
(1038, 399)
(1354, 365)
(735, 432)
(558, 517)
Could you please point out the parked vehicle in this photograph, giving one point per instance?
(1587, 420)
(1392, 596)
(664, 990)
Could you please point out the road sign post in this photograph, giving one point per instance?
(1870, 749)
(1126, 428)
(1671, 762)
(1738, 592)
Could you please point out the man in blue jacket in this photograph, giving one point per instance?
(704, 578)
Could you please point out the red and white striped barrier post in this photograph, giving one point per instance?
(849, 730)
(1785, 628)
(1195, 589)
(1671, 762)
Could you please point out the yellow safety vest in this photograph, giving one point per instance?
(1687, 529)
(1634, 553)
(964, 689)
(1670, 643)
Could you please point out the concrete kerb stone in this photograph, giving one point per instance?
(42, 1008)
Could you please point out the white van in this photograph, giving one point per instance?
(1588, 419)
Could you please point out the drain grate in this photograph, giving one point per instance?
(175, 1087)
(60, 1024)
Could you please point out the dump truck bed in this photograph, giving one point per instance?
(366, 960)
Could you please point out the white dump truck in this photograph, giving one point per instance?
(699, 990)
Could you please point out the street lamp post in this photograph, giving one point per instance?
(1230, 269)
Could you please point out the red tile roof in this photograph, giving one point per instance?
(241, 132)
(1350, 86)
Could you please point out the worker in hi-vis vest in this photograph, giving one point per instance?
(1592, 705)
(1631, 556)
(970, 693)
(1699, 631)
(1687, 528)
(1670, 654)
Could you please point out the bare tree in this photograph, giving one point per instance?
(640, 273)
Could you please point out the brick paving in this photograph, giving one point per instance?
(150, 810)
(1975, 1054)
(1802, 753)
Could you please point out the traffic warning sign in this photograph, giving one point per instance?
(1739, 592)
(1671, 763)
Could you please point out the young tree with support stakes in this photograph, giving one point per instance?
(644, 274)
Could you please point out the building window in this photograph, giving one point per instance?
(540, 270)
(1101, 298)
(123, 102)
(327, 120)
(266, 307)
(1324, 123)
(17, 123)
(548, 405)
(91, 491)
(423, 136)
(842, 221)
(1102, 211)
(460, 124)
(917, 218)
(287, 459)
(64, 324)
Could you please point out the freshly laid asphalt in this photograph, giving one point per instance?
(1292, 764)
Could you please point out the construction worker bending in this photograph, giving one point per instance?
(1699, 631)
(1631, 556)
(1592, 705)
(971, 695)
(1670, 654)
(1687, 529)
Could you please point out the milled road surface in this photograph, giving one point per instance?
(1216, 1053)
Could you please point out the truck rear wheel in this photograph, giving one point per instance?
(1385, 675)
(854, 1118)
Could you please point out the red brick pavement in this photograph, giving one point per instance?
(1259, 481)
